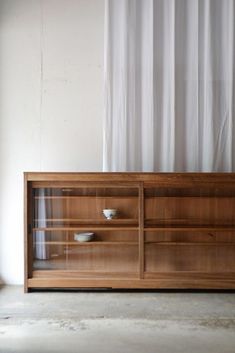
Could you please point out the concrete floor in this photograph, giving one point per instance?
(113, 322)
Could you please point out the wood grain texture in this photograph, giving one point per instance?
(175, 230)
(28, 241)
(170, 179)
(141, 230)
(84, 274)
(163, 283)
(26, 254)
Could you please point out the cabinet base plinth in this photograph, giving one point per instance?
(199, 283)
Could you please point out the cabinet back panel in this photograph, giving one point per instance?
(191, 210)
(191, 237)
(202, 258)
(84, 208)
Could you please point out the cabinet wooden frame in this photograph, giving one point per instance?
(182, 237)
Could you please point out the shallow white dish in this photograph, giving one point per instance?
(83, 237)
(110, 213)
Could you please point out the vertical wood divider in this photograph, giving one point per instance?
(141, 230)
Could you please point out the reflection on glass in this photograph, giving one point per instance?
(59, 213)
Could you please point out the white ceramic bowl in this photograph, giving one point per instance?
(83, 237)
(110, 213)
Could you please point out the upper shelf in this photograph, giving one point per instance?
(76, 222)
(186, 222)
(66, 197)
(87, 227)
(187, 197)
(185, 228)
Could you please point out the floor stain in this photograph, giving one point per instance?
(68, 325)
(218, 323)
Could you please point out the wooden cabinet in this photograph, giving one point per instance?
(172, 230)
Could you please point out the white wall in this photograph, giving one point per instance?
(51, 102)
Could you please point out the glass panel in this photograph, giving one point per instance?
(60, 214)
(108, 251)
(74, 206)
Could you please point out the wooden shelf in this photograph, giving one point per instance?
(77, 243)
(84, 196)
(91, 227)
(185, 222)
(189, 243)
(177, 228)
(178, 198)
(102, 221)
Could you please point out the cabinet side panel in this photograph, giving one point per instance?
(27, 231)
(25, 234)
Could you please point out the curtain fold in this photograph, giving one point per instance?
(41, 249)
(169, 85)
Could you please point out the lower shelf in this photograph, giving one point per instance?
(172, 280)
(90, 243)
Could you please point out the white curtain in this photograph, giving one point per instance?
(41, 249)
(169, 85)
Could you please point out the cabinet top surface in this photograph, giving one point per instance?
(172, 178)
